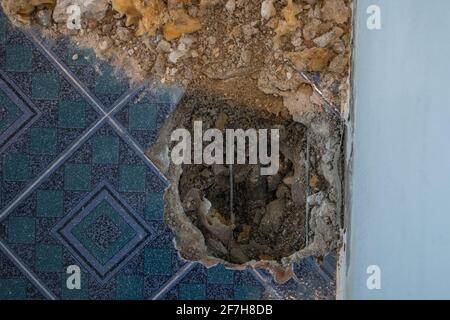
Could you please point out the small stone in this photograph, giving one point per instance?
(182, 46)
(246, 56)
(175, 55)
(325, 39)
(335, 10)
(311, 29)
(230, 6)
(107, 28)
(187, 41)
(288, 180)
(212, 40)
(123, 34)
(338, 46)
(163, 46)
(205, 173)
(338, 64)
(299, 102)
(44, 17)
(160, 65)
(297, 39)
(105, 44)
(314, 181)
(272, 219)
(221, 121)
(315, 199)
(289, 75)
(244, 235)
(92, 25)
(237, 255)
(267, 9)
(194, 54)
(310, 59)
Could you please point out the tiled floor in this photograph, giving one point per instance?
(77, 189)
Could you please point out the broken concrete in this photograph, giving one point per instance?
(274, 225)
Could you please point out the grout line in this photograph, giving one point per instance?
(59, 65)
(98, 105)
(54, 166)
(125, 98)
(16, 95)
(28, 273)
(136, 147)
(63, 157)
(182, 272)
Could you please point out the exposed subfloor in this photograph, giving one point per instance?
(254, 220)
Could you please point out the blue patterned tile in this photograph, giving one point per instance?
(30, 135)
(144, 115)
(217, 283)
(158, 262)
(106, 83)
(220, 292)
(76, 189)
(19, 58)
(220, 275)
(49, 203)
(247, 292)
(13, 289)
(130, 288)
(103, 232)
(192, 291)
(48, 258)
(22, 230)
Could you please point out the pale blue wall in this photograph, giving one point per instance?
(400, 205)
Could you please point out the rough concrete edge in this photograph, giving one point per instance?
(179, 223)
(348, 116)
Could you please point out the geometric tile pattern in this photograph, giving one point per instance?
(143, 115)
(77, 189)
(103, 232)
(15, 113)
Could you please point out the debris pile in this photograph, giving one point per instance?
(254, 51)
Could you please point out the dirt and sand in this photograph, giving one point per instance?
(252, 51)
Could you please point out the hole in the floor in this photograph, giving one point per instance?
(243, 215)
